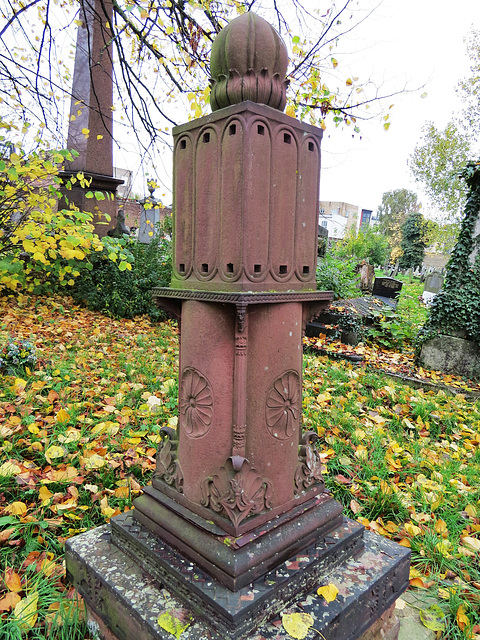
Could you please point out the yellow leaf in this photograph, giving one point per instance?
(19, 386)
(433, 618)
(85, 131)
(62, 416)
(297, 625)
(386, 126)
(99, 137)
(54, 452)
(462, 618)
(95, 462)
(26, 611)
(290, 111)
(122, 492)
(349, 82)
(412, 529)
(440, 526)
(173, 624)
(9, 469)
(329, 592)
(16, 508)
(334, 63)
(471, 511)
(471, 543)
(44, 494)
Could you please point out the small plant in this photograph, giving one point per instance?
(18, 355)
(337, 275)
(351, 322)
(388, 330)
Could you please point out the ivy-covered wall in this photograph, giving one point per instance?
(456, 309)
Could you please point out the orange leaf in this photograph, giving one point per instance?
(462, 618)
(12, 580)
(4, 535)
(9, 601)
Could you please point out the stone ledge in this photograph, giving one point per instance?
(128, 601)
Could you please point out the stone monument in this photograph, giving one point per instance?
(91, 123)
(237, 522)
(433, 285)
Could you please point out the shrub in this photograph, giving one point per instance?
(368, 244)
(334, 274)
(127, 293)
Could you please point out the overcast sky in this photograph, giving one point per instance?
(412, 42)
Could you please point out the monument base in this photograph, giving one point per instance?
(129, 600)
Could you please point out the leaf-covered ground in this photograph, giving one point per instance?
(78, 436)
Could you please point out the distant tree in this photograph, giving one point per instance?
(362, 245)
(413, 241)
(396, 206)
(441, 156)
(441, 238)
(436, 163)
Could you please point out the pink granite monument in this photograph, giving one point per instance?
(91, 123)
(237, 522)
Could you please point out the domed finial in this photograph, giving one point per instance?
(248, 62)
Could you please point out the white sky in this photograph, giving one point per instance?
(413, 42)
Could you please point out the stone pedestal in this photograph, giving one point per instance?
(237, 522)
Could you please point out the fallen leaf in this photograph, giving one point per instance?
(173, 624)
(16, 508)
(9, 601)
(433, 618)
(26, 611)
(462, 618)
(12, 580)
(297, 625)
(471, 543)
(62, 416)
(329, 592)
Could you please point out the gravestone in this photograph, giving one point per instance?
(150, 217)
(387, 290)
(433, 284)
(367, 274)
(91, 111)
(237, 523)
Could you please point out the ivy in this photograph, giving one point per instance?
(456, 309)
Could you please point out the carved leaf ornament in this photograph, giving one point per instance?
(283, 405)
(237, 490)
(196, 403)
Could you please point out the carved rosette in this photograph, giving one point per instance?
(237, 490)
(196, 403)
(167, 467)
(284, 405)
(309, 468)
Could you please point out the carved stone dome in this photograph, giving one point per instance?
(248, 62)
